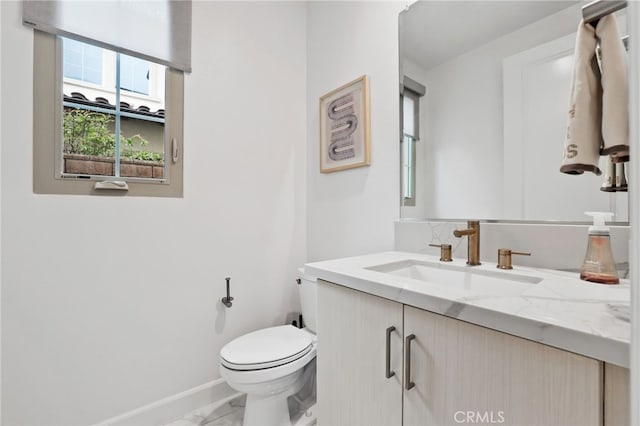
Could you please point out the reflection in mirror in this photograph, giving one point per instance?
(493, 118)
(412, 91)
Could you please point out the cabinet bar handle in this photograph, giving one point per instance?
(388, 372)
(407, 345)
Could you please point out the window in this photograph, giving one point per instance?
(113, 117)
(82, 61)
(408, 170)
(410, 104)
(134, 74)
(107, 130)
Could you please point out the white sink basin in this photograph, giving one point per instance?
(467, 278)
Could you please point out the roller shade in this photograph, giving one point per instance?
(412, 91)
(411, 119)
(156, 30)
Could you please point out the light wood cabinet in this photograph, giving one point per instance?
(351, 359)
(462, 373)
(617, 405)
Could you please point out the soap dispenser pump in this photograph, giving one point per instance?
(598, 265)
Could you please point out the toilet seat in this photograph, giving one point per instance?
(267, 348)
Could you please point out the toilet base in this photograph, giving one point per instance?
(270, 406)
(267, 403)
(270, 410)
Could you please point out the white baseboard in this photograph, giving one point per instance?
(167, 409)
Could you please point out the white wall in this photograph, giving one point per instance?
(352, 212)
(111, 303)
(1, 120)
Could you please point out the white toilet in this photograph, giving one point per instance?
(271, 364)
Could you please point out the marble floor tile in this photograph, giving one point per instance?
(231, 413)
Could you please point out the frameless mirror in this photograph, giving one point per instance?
(486, 137)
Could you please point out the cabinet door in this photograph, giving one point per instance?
(617, 409)
(464, 373)
(352, 385)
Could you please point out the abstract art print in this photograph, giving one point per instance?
(344, 127)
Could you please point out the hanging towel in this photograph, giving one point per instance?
(613, 63)
(583, 139)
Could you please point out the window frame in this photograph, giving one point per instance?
(48, 139)
(415, 91)
(409, 200)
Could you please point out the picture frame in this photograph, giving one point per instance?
(344, 127)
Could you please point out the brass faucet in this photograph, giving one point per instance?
(473, 241)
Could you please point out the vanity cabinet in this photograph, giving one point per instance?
(351, 359)
(462, 373)
(617, 402)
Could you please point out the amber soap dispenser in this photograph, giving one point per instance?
(598, 265)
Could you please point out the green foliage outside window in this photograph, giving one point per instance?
(87, 132)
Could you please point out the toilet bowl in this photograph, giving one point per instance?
(271, 364)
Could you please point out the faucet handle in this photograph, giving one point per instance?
(445, 252)
(504, 258)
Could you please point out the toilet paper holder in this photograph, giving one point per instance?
(226, 301)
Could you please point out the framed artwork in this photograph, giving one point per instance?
(344, 127)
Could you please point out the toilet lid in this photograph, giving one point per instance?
(266, 348)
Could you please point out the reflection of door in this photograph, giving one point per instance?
(536, 94)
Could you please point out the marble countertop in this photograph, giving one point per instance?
(560, 310)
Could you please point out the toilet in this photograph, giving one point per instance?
(271, 364)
